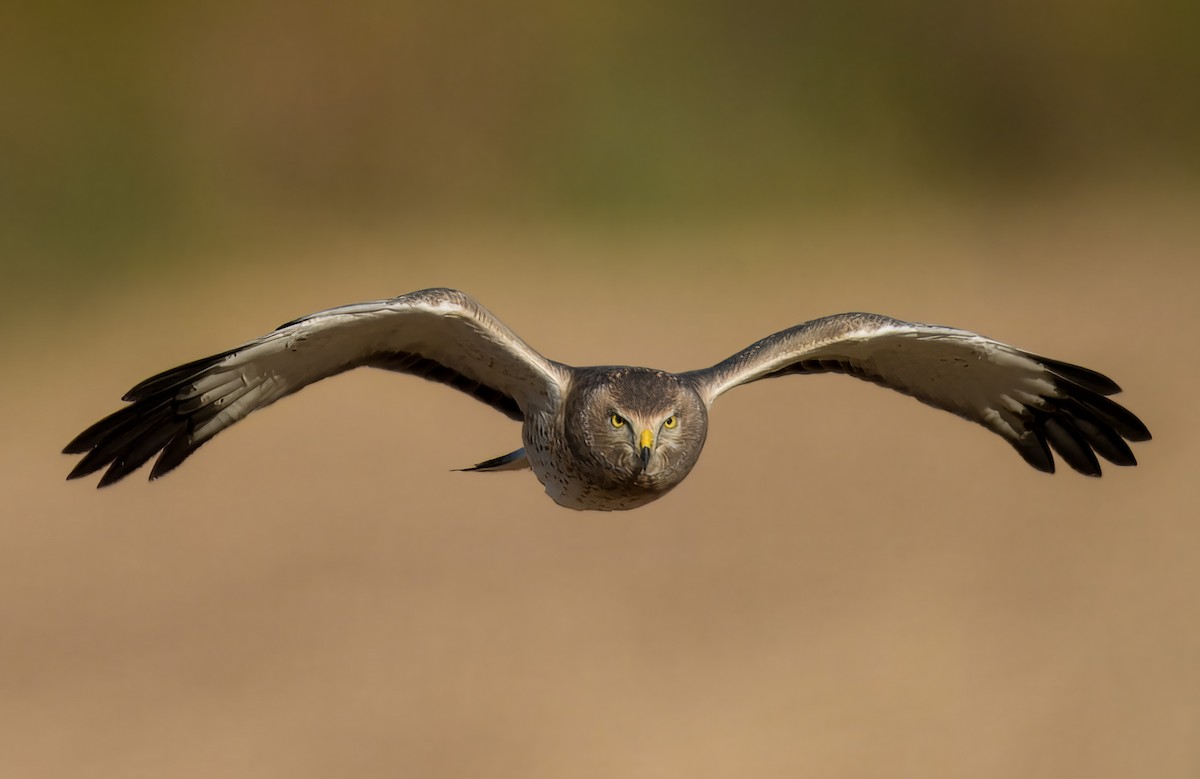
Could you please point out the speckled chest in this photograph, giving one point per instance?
(558, 469)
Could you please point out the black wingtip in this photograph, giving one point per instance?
(1142, 433)
(1034, 450)
(89, 438)
(174, 377)
(111, 476)
(1070, 444)
(1121, 419)
(1084, 377)
(1105, 439)
(79, 471)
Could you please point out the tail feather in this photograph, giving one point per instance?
(513, 461)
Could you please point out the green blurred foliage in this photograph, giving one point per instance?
(129, 125)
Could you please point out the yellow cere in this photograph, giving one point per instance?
(647, 439)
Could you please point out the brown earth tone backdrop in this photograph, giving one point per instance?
(849, 584)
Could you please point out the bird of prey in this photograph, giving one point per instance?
(610, 437)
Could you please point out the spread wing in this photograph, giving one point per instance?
(1032, 402)
(438, 334)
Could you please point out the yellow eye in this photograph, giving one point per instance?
(616, 421)
(672, 422)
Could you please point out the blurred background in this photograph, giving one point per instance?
(849, 584)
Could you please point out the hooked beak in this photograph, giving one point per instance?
(647, 444)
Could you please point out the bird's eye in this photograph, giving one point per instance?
(672, 422)
(616, 421)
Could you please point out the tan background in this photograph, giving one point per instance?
(850, 584)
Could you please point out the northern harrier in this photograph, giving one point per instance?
(612, 437)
